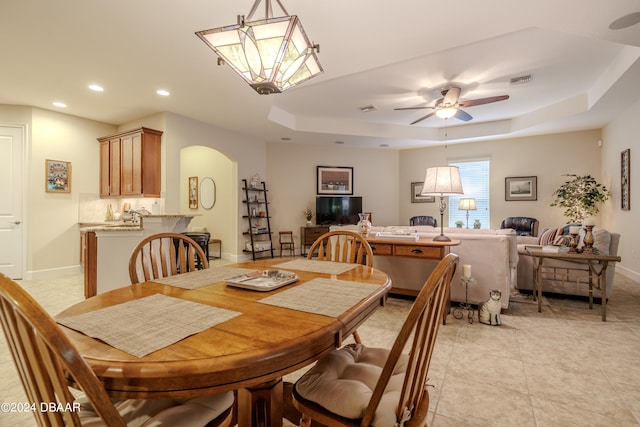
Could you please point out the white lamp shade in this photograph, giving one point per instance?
(467, 205)
(271, 54)
(442, 180)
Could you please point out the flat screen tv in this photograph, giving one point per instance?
(331, 210)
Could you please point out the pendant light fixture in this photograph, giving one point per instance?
(271, 54)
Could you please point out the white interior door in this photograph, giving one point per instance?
(11, 194)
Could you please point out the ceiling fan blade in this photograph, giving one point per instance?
(422, 118)
(412, 108)
(452, 96)
(463, 115)
(481, 101)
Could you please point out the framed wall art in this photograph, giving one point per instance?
(57, 176)
(625, 179)
(416, 197)
(334, 180)
(193, 192)
(521, 188)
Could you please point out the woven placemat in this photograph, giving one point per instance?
(144, 325)
(322, 296)
(199, 278)
(315, 266)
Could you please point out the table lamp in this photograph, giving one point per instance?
(442, 181)
(467, 205)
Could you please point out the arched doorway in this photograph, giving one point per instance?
(219, 217)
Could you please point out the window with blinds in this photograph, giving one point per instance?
(475, 184)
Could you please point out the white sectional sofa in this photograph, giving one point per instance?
(492, 254)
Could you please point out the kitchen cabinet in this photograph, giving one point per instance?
(130, 164)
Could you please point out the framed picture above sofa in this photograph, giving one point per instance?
(521, 188)
(416, 197)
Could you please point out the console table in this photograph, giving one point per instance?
(308, 235)
(590, 262)
(423, 248)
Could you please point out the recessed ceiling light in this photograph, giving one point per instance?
(96, 88)
(60, 104)
(163, 92)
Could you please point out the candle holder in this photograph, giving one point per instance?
(573, 244)
(588, 240)
(458, 312)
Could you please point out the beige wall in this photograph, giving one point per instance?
(620, 134)
(291, 182)
(52, 218)
(546, 156)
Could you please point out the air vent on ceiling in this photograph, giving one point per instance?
(368, 109)
(521, 80)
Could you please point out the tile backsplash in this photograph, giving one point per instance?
(93, 209)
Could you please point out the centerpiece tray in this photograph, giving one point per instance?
(263, 280)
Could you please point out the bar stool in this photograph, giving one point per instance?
(202, 239)
(286, 242)
(218, 242)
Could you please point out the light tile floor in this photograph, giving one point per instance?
(561, 367)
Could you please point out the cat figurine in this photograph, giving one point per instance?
(489, 311)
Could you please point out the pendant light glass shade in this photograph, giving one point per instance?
(271, 54)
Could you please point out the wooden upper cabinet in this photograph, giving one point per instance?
(130, 164)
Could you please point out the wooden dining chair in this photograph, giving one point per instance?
(361, 386)
(47, 362)
(165, 254)
(285, 238)
(343, 246)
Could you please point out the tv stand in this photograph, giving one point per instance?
(308, 235)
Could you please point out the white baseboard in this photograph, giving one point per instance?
(633, 275)
(53, 273)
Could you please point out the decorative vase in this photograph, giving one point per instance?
(309, 223)
(364, 225)
(476, 224)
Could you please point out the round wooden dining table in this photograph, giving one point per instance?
(249, 353)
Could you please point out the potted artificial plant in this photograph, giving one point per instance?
(580, 196)
(308, 215)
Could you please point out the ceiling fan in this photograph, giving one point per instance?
(450, 105)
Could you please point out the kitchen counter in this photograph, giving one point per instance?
(109, 245)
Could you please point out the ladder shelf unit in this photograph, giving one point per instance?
(258, 220)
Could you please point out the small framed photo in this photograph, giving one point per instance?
(521, 188)
(625, 179)
(416, 197)
(57, 176)
(334, 180)
(193, 192)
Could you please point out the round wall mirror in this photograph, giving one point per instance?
(207, 193)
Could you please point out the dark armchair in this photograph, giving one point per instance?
(423, 220)
(523, 225)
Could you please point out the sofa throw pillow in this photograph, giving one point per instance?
(563, 240)
(547, 236)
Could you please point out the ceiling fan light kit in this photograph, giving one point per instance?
(271, 54)
(450, 105)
